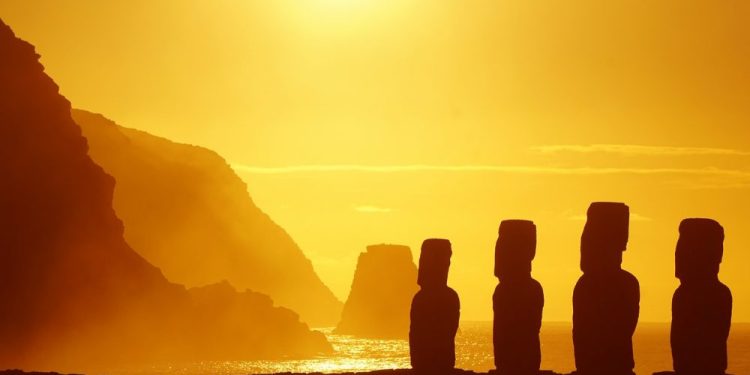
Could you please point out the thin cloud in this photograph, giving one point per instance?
(640, 150)
(356, 168)
(372, 209)
(717, 185)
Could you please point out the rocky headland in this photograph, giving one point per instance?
(74, 294)
(187, 212)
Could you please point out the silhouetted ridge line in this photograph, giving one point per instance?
(74, 294)
(206, 225)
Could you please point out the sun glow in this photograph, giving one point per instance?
(485, 109)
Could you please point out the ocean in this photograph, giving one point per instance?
(473, 351)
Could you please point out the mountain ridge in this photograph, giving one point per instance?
(188, 212)
(75, 295)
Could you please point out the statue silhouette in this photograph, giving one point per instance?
(435, 311)
(702, 305)
(606, 298)
(518, 300)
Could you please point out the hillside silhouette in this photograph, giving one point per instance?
(187, 212)
(384, 283)
(74, 294)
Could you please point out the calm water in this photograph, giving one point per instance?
(473, 351)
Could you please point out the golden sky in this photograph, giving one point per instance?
(365, 121)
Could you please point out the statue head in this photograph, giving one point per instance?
(699, 249)
(605, 236)
(515, 248)
(434, 261)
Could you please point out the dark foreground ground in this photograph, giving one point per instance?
(378, 372)
(404, 372)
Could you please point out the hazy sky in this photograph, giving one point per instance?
(366, 121)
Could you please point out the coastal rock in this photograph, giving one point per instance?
(187, 212)
(74, 294)
(379, 301)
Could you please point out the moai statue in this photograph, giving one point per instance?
(606, 298)
(518, 301)
(435, 311)
(702, 305)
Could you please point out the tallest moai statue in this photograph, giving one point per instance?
(606, 298)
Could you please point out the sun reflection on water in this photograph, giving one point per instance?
(473, 352)
(351, 354)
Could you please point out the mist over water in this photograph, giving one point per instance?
(473, 351)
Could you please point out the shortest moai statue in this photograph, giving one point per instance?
(702, 305)
(435, 310)
(518, 301)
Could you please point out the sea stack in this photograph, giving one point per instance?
(435, 311)
(518, 300)
(383, 286)
(702, 305)
(606, 298)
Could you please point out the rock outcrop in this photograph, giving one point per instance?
(384, 283)
(188, 213)
(74, 294)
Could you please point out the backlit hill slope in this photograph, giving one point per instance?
(187, 212)
(73, 294)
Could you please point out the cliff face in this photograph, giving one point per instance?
(73, 293)
(384, 284)
(187, 212)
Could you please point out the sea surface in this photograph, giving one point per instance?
(473, 351)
